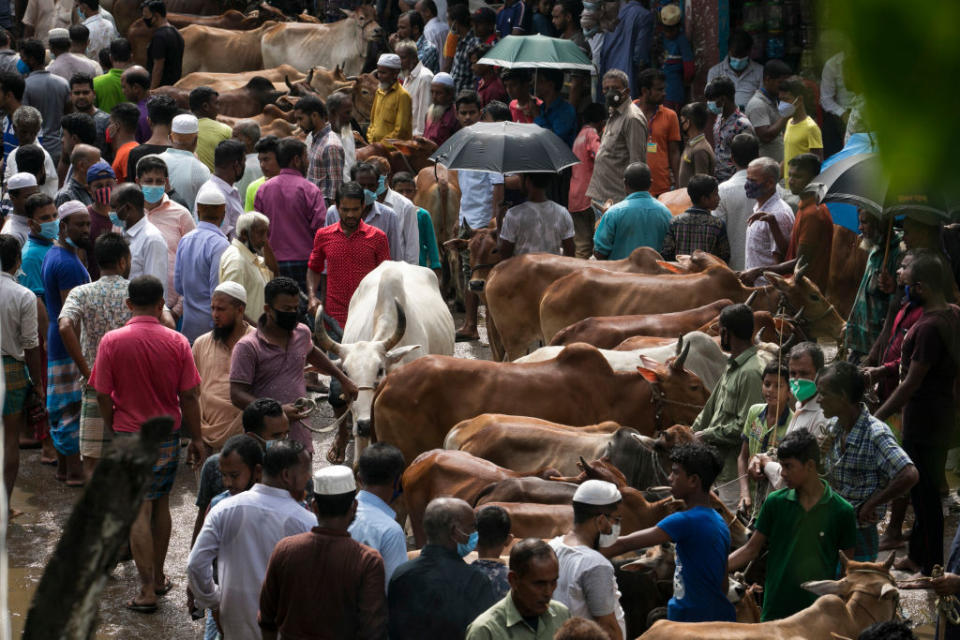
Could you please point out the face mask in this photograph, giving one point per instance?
(613, 98)
(803, 390)
(369, 197)
(463, 548)
(72, 243)
(739, 64)
(148, 22)
(22, 67)
(50, 230)
(102, 195)
(911, 295)
(607, 539)
(152, 194)
(20, 275)
(786, 109)
(286, 320)
(382, 186)
(713, 107)
(752, 189)
(592, 31)
(115, 219)
(81, 14)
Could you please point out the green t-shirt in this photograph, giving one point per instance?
(803, 545)
(108, 90)
(251, 193)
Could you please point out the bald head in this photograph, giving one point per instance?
(448, 521)
(184, 141)
(135, 82)
(82, 158)
(247, 132)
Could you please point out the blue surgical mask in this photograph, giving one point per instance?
(464, 548)
(739, 64)
(152, 194)
(369, 197)
(115, 219)
(752, 189)
(382, 186)
(50, 230)
(713, 107)
(22, 67)
(81, 14)
(72, 243)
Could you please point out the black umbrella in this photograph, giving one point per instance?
(856, 180)
(505, 147)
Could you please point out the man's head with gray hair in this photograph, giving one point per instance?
(339, 106)
(26, 124)
(252, 229)
(448, 522)
(407, 50)
(764, 173)
(247, 132)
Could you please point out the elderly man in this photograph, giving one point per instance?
(441, 118)
(82, 158)
(416, 79)
(438, 594)
(229, 166)
(187, 173)
(769, 228)
(205, 104)
(391, 114)
(248, 132)
(26, 124)
(324, 147)
(624, 140)
(20, 186)
(340, 113)
(243, 263)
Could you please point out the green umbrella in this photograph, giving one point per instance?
(537, 52)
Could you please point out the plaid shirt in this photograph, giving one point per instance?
(460, 67)
(870, 306)
(863, 462)
(428, 54)
(723, 132)
(696, 229)
(326, 162)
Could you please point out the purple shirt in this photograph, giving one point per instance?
(273, 372)
(143, 127)
(296, 209)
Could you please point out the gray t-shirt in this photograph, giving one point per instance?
(762, 112)
(587, 584)
(49, 94)
(537, 227)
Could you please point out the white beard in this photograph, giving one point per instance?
(436, 111)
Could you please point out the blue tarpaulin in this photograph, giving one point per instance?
(846, 214)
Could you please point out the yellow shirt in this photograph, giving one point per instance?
(391, 115)
(801, 137)
(210, 135)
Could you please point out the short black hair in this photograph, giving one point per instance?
(696, 114)
(740, 39)
(110, 248)
(637, 177)
(81, 78)
(5, 37)
(288, 149)
(335, 506)
(120, 49)
(93, 4)
(380, 464)
(887, 630)
(247, 448)
(647, 77)
(430, 6)
(744, 149)
(402, 177)
(228, 152)
(701, 186)
(572, 8)
(254, 416)
(523, 553)
(699, 460)
(520, 75)
(594, 112)
(9, 251)
(156, 6)
(33, 49)
(539, 180)
(810, 348)
(416, 20)
(801, 445)
(103, 57)
(284, 454)
(82, 125)
(459, 14)
(123, 196)
(200, 96)
(266, 144)
(738, 320)
(776, 368)
(553, 76)
(468, 96)
(776, 69)
(928, 268)
(151, 162)
(126, 115)
(493, 526)
(806, 162)
(498, 111)
(351, 190)
(720, 87)
(36, 202)
(31, 159)
(12, 82)
(311, 104)
(844, 378)
(79, 34)
(145, 291)
(364, 166)
(162, 110)
(278, 287)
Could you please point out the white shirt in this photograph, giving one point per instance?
(251, 172)
(745, 84)
(187, 175)
(833, 91)
(148, 251)
(807, 416)
(102, 32)
(50, 186)
(234, 205)
(735, 209)
(417, 84)
(476, 196)
(239, 264)
(760, 243)
(18, 227)
(409, 230)
(436, 32)
(574, 592)
(240, 533)
(537, 227)
(18, 317)
(349, 151)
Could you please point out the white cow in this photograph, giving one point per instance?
(705, 358)
(395, 316)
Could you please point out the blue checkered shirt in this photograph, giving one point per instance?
(460, 67)
(428, 54)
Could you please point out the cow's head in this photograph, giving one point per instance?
(871, 581)
(263, 91)
(812, 311)
(366, 363)
(366, 18)
(484, 255)
(363, 91)
(678, 394)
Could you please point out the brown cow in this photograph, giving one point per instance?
(813, 314)
(343, 43)
(847, 264)
(323, 82)
(577, 387)
(406, 155)
(227, 81)
(140, 35)
(245, 102)
(222, 50)
(126, 12)
(441, 198)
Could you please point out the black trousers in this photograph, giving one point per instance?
(926, 538)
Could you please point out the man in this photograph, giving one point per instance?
(405, 210)
(720, 423)
(585, 147)
(243, 263)
(296, 209)
(405, 185)
(340, 113)
(148, 248)
(205, 105)
(324, 150)
(441, 118)
(735, 207)
(8, 57)
(89, 312)
(538, 225)
(186, 173)
(197, 263)
(42, 17)
(122, 133)
(764, 114)
(82, 97)
(160, 113)
(729, 123)
(101, 30)
(664, 142)
(229, 166)
(746, 75)
(62, 271)
(586, 584)
(135, 82)
(391, 113)
(528, 610)
(357, 607)
(350, 249)
(165, 53)
(100, 183)
(459, 19)
(515, 19)
(624, 140)
(67, 61)
(836, 100)
(695, 229)
(437, 594)
(11, 94)
(43, 226)
(489, 85)
(697, 156)
(639, 220)
(50, 94)
(376, 213)
(863, 461)
(769, 228)
(416, 79)
(410, 27)
(108, 87)
(77, 128)
(270, 361)
(554, 113)
(144, 370)
(248, 132)
(82, 157)
(627, 46)
(266, 149)
(20, 186)
(435, 28)
(566, 20)
(926, 396)
(27, 123)
(379, 469)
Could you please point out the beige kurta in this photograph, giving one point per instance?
(219, 419)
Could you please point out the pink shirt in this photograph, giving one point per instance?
(585, 148)
(144, 366)
(296, 209)
(174, 222)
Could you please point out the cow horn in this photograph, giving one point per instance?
(788, 343)
(751, 297)
(310, 77)
(679, 345)
(758, 336)
(324, 341)
(286, 80)
(397, 336)
(800, 269)
(677, 363)
(798, 315)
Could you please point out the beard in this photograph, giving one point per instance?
(436, 111)
(867, 244)
(220, 334)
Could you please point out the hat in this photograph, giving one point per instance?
(598, 493)
(99, 171)
(334, 481)
(69, 208)
(209, 194)
(389, 60)
(58, 34)
(233, 289)
(670, 15)
(444, 79)
(484, 15)
(21, 180)
(185, 123)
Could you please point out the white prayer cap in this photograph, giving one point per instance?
(389, 60)
(443, 78)
(185, 123)
(334, 481)
(58, 34)
(209, 194)
(598, 493)
(233, 289)
(69, 208)
(21, 180)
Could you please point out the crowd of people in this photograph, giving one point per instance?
(156, 261)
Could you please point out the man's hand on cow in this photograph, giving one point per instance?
(946, 585)
(294, 413)
(749, 276)
(312, 305)
(745, 504)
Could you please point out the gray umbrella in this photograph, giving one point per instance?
(505, 147)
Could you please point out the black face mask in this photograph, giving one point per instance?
(148, 22)
(286, 320)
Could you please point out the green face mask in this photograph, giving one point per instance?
(803, 390)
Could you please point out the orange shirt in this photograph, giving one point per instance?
(813, 229)
(450, 44)
(120, 160)
(664, 128)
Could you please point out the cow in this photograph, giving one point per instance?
(606, 332)
(403, 155)
(226, 81)
(577, 387)
(230, 19)
(482, 254)
(270, 113)
(699, 352)
(343, 43)
(246, 102)
(848, 261)
(865, 595)
(438, 191)
(126, 12)
(812, 312)
(395, 316)
(322, 82)
(222, 50)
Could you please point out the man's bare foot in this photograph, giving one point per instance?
(888, 542)
(466, 334)
(48, 455)
(29, 443)
(337, 452)
(906, 564)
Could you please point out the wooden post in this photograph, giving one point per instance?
(65, 604)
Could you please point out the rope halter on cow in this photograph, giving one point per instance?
(872, 593)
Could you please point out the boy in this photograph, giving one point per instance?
(538, 225)
(493, 534)
(701, 536)
(697, 228)
(765, 426)
(806, 524)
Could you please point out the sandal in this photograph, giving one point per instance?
(133, 605)
(336, 454)
(165, 588)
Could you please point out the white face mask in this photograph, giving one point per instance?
(607, 539)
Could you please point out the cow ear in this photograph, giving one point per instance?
(823, 587)
(672, 268)
(395, 355)
(455, 243)
(775, 279)
(648, 374)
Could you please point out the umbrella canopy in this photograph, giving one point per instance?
(856, 180)
(537, 52)
(505, 147)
